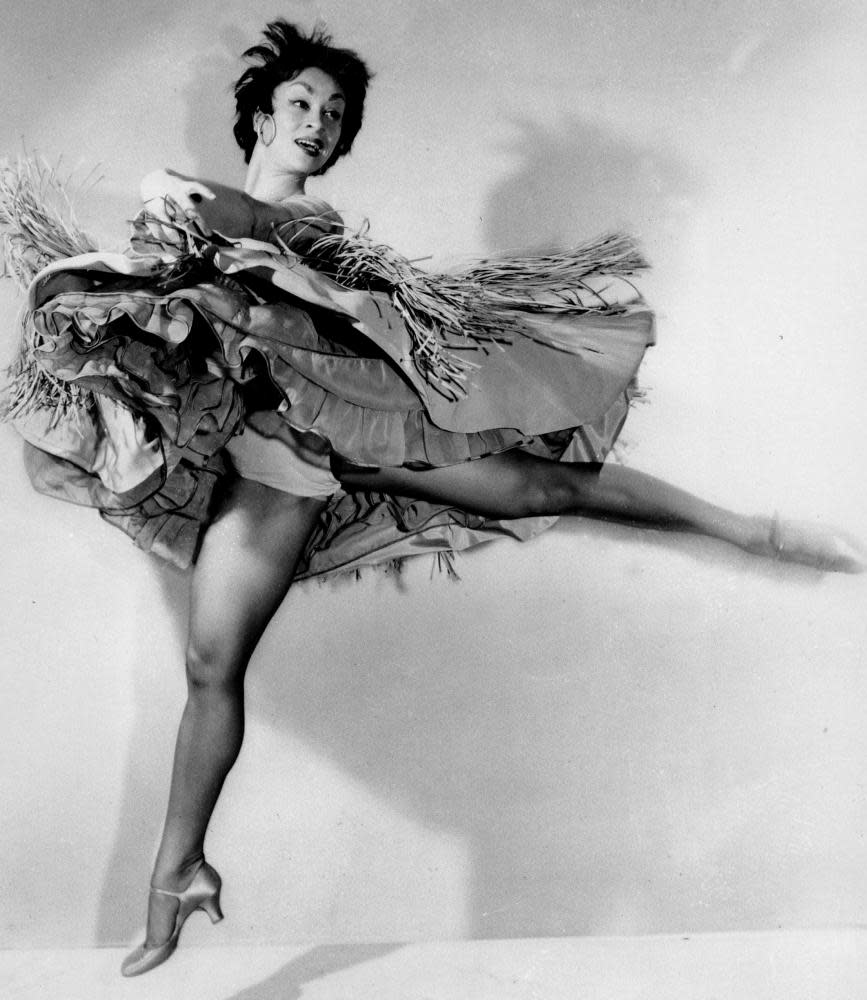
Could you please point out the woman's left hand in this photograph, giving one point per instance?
(172, 201)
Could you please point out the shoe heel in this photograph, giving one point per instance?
(211, 906)
(203, 893)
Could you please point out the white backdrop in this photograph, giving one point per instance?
(602, 731)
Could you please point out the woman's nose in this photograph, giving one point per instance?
(316, 119)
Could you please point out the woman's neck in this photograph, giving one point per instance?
(265, 183)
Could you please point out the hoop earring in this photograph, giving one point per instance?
(267, 124)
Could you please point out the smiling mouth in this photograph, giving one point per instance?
(312, 147)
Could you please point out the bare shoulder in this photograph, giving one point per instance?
(305, 206)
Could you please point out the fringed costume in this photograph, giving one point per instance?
(140, 374)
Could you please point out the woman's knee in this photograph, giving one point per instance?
(537, 490)
(524, 499)
(214, 665)
(549, 488)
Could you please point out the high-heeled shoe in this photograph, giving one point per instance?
(203, 893)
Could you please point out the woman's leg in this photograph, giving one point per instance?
(244, 570)
(517, 484)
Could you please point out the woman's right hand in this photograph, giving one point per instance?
(172, 200)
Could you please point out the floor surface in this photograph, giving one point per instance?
(791, 965)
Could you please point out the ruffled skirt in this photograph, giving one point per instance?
(171, 360)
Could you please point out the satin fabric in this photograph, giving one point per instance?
(176, 355)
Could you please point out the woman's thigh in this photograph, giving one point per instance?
(248, 559)
(511, 484)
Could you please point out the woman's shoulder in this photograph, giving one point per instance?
(303, 218)
(300, 220)
(306, 206)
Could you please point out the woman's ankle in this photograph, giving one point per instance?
(175, 874)
(760, 535)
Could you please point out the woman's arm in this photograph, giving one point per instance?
(216, 207)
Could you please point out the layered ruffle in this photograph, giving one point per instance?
(173, 357)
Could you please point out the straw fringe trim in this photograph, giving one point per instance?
(446, 313)
(442, 564)
(39, 227)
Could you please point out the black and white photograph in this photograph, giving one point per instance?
(434, 500)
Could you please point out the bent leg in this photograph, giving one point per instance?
(244, 570)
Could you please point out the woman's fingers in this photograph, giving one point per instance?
(155, 188)
(199, 192)
(166, 214)
(187, 196)
(196, 194)
(175, 200)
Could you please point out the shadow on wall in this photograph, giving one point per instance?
(580, 179)
(511, 724)
(515, 757)
(158, 698)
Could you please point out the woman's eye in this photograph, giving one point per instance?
(300, 103)
(334, 115)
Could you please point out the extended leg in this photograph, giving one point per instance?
(516, 484)
(244, 570)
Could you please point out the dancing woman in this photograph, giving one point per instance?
(261, 400)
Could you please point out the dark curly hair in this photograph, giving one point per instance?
(284, 53)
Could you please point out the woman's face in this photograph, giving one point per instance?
(308, 115)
